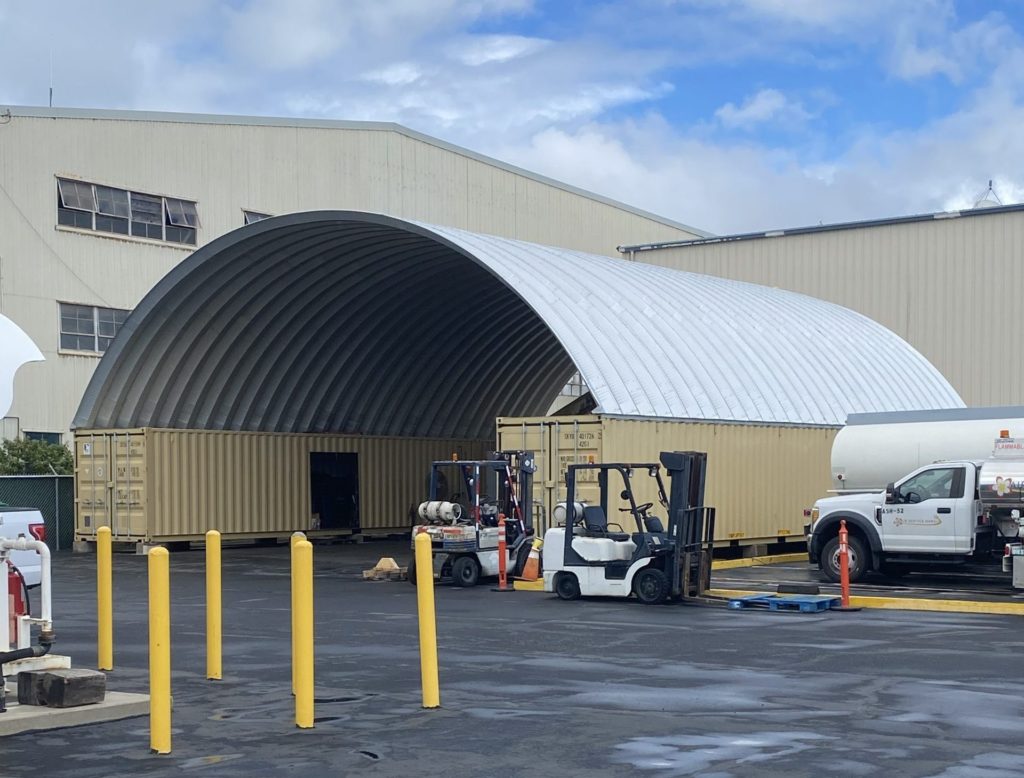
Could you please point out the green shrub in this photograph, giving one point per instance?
(35, 457)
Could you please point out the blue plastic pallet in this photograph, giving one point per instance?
(802, 603)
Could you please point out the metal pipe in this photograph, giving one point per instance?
(24, 544)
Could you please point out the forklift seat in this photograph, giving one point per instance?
(596, 524)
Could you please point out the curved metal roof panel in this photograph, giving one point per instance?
(352, 322)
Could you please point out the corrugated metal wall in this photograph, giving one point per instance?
(760, 478)
(185, 482)
(944, 285)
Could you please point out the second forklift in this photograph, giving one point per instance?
(463, 525)
(586, 558)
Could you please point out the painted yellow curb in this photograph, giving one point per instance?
(728, 564)
(528, 586)
(909, 603)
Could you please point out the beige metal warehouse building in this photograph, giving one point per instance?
(97, 206)
(303, 371)
(948, 283)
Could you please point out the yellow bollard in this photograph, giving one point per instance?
(428, 626)
(104, 601)
(159, 651)
(213, 607)
(296, 537)
(302, 660)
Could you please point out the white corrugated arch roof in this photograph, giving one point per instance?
(352, 322)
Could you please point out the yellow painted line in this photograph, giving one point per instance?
(528, 586)
(908, 603)
(729, 564)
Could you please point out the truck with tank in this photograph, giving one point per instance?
(942, 512)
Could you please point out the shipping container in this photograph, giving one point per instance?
(163, 485)
(760, 477)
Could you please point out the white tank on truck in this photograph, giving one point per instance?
(874, 449)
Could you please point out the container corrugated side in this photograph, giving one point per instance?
(253, 484)
(557, 442)
(760, 478)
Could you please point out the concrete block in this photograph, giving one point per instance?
(61, 688)
(30, 718)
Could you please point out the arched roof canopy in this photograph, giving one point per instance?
(337, 321)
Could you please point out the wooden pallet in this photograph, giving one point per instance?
(385, 575)
(799, 603)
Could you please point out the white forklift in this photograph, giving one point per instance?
(463, 525)
(583, 557)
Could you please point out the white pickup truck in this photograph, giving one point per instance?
(941, 515)
(15, 522)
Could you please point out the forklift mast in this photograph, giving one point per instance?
(691, 524)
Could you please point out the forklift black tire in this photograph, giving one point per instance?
(522, 555)
(410, 571)
(858, 559)
(650, 585)
(567, 586)
(465, 571)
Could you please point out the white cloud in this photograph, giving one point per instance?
(398, 74)
(486, 49)
(767, 105)
(561, 104)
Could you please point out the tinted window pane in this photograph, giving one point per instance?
(147, 209)
(76, 319)
(113, 202)
(142, 230)
(104, 343)
(254, 216)
(76, 194)
(181, 235)
(71, 218)
(78, 342)
(111, 224)
(46, 437)
(181, 213)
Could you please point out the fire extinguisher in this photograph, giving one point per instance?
(17, 593)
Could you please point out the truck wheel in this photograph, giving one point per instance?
(567, 586)
(650, 586)
(465, 571)
(410, 571)
(858, 559)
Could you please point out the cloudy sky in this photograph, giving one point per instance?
(730, 115)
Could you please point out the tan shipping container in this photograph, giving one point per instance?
(760, 477)
(154, 485)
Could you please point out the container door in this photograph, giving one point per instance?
(92, 476)
(334, 489)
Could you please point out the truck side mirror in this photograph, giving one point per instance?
(890, 493)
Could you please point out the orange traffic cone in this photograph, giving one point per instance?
(531, 570)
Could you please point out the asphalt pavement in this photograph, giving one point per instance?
(532, 686)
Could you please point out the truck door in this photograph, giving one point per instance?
(929, 513)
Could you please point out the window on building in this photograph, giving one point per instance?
(576, 387)
(251, 217)
(108, 209)
(46, 437)
(89, 328)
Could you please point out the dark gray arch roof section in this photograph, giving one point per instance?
(339, 321)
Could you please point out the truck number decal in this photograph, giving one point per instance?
(892, 510)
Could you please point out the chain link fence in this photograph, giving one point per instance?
(52, 495)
